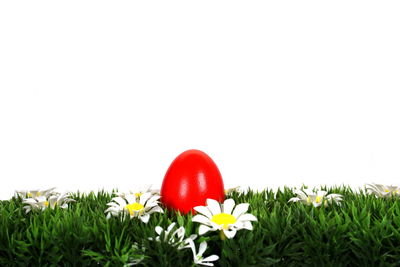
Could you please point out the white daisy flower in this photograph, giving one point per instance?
(36, 193)
(223, 217)
(310, 197)
(380, 190)
(43, 202)
(139, 191)
(198, 256)
(176, 238)
(233, 189)
(136, 207)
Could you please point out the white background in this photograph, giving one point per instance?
(105, 94)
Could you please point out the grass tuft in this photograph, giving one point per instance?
(362, 231)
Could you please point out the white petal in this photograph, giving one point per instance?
(184, 244)
(49, 191)
(376, 189)
(154, 199)
(146, 188)
(211, 258)
(202, 248)
(41, 199)
(317, 204)
(149, 205)
(191, 245)
(334, 196)
(144, 197)
(294, 199)
(70, 200)
(309, 191)
(159, 230)
(369, 186)
(215, 226)
(230, 234)
(113, 204)
(145, 218)
(203, 210)
(120, 201)
(114, 209)
(213, 206)
(201, 219)
(228, 206)
(203, 229)
(240, 209)
(321, 193)
(170, 227)
(130, 198)
(193, 237)
(155, 209)
(180, 233)
(247, 225)
(29, 201)
(61, 198)
(300, 193)
(155, 191)
(247, 217)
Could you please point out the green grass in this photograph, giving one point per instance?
(363, 231)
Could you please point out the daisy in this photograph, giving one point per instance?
(380, 190)
(43, 202)
(310, 197)
(175, 238)
(198, 256)
(231, 190)
(35, 193)
(136, 207)
(223, 217)
(139, 191)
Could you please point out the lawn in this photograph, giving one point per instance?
(362, 231)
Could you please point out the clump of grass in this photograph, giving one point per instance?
(362, 231)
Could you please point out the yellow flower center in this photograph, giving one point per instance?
(138, 194)
(135, 207)
(386, 190)
(318, 199)
(46, 204)
(29, 194)
(308, 200)
(223, 219)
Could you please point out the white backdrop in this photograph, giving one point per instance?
(104, 94)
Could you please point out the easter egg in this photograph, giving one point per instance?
(190, 179)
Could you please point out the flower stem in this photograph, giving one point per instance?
(222, 235)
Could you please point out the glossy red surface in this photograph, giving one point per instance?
(191, 178)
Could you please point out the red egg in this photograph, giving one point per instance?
(190, 180)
